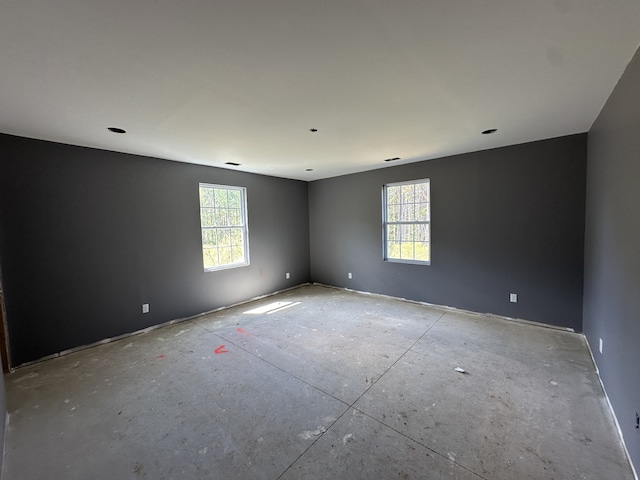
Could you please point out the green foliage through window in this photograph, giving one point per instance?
(223, 219)
(407, 222)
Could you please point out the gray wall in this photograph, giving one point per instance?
(612, 250)
(87, 236)
(503, 220)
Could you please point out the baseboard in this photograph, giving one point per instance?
(613, 412)
(528, 322)
(151, 328)
(452, 309)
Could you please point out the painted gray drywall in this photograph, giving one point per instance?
(503, 220)
(87, 236)
(612, 250)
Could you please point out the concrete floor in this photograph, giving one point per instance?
(334, 385)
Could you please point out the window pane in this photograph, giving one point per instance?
(237, 254)
(206, 197)
(408, 194)
(422, 192)
(408, 213)
(209, 238)
(422, 233)
(422, 251)
(234, 199)
(220, 197)
(406, 251)
(224, 254)
(393, 249)
(393, 195)
(393, 232)
(235, 216)
(422, 212)
(393, 213)
(207, 217)
(236, 236)
(407, 232)
(224, 237)
(222, 217)
(210, 258)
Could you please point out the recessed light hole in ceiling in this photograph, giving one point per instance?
(392, 159)
(116, 130)
(490, 131)
(232, 163)
(313, 130)
(308, 170)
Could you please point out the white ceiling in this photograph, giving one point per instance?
(209, 82)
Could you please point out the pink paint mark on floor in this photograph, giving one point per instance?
(220, 349)
(160, 356)
(242, 331)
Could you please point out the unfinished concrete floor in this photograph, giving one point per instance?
(316, 383)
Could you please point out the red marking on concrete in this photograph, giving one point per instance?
(160, 356)
(242, 330)
(220, 349)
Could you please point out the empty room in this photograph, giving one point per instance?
(334, 239)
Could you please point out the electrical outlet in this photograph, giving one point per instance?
(349, 275)
(287, 275)
(145, 308)
(513, 297)
(600, 346)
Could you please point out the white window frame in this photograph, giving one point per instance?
(404, 219)
(220, 224)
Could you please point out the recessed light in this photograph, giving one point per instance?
(308, 170)
(313, 130)
(392, 159)
(490, 131)
(232, 163)
(116, 130)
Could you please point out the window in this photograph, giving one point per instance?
(223, 218)
(407, 217)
